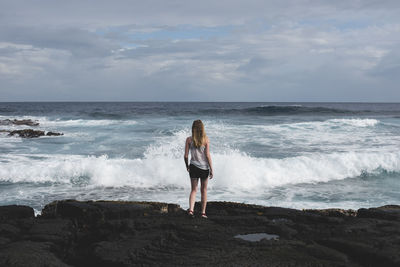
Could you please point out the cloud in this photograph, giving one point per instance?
(88, 13)
(388, 67)
(80, 43)
(302, 50)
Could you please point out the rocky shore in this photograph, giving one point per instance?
(25, 133)
(112, 233)
(27, 122)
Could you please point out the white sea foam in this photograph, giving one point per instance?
(87, 123)
(332, 124)
(355, 122)
(352, 147)
(49, 122)
(328, 136)
(34, 118)
(233, 170)
(161, 166)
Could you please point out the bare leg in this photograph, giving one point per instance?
(192, 198)
(203, 189)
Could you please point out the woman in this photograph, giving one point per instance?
(200, 165)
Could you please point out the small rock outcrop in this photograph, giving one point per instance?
(27, 133)
(30, 133)
(53, 134)
(27, 122)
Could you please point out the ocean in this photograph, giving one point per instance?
(297, 155)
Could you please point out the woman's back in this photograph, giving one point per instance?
(198, 156)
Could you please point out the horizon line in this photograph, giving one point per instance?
(194, 101)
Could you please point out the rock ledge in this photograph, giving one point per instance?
(117, 233)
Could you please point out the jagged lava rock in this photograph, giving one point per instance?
(53, 134)
(27, 133)
(30, 133)
(388, 212)
(13, 212)
(118, 233)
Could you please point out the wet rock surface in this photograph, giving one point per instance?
(30, 133)
(113, 233)
(53, 134)
(25, 133)
(27, 122)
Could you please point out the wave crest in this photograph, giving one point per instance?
(275, 110)
(45, 121)
(294, 109)
(233, 169)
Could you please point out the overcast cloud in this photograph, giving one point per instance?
(301, 50)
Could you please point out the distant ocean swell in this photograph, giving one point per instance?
(59, 122)
(282, 110)
(266, 110)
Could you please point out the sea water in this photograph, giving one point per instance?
(298, 155)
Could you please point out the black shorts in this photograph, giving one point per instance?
(196, 172)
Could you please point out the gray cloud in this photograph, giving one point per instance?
(87, 13)
(201, 50)
(388, 67)
(79, 42)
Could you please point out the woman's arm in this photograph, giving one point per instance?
(209, 158)
(185, 157)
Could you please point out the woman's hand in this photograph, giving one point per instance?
(211, 174)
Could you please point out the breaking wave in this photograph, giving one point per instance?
(45, 121)
(233, 169)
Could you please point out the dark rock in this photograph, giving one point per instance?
(91, 211)
(333, 212)
(28, 122)
(58, 231)
(4, 241)
(27, 253)
(117, 233)
(53, 134)
(327, 253)
(27, 133)
(389, 212)
(362, 253)
(30, 133)
(8, 230)
(12, 212)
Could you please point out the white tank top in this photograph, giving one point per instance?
(198, 156)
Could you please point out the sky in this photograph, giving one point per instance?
(225, 50)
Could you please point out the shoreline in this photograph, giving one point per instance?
(329, 209)
(120, 233)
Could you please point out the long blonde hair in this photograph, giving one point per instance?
(199, 136)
